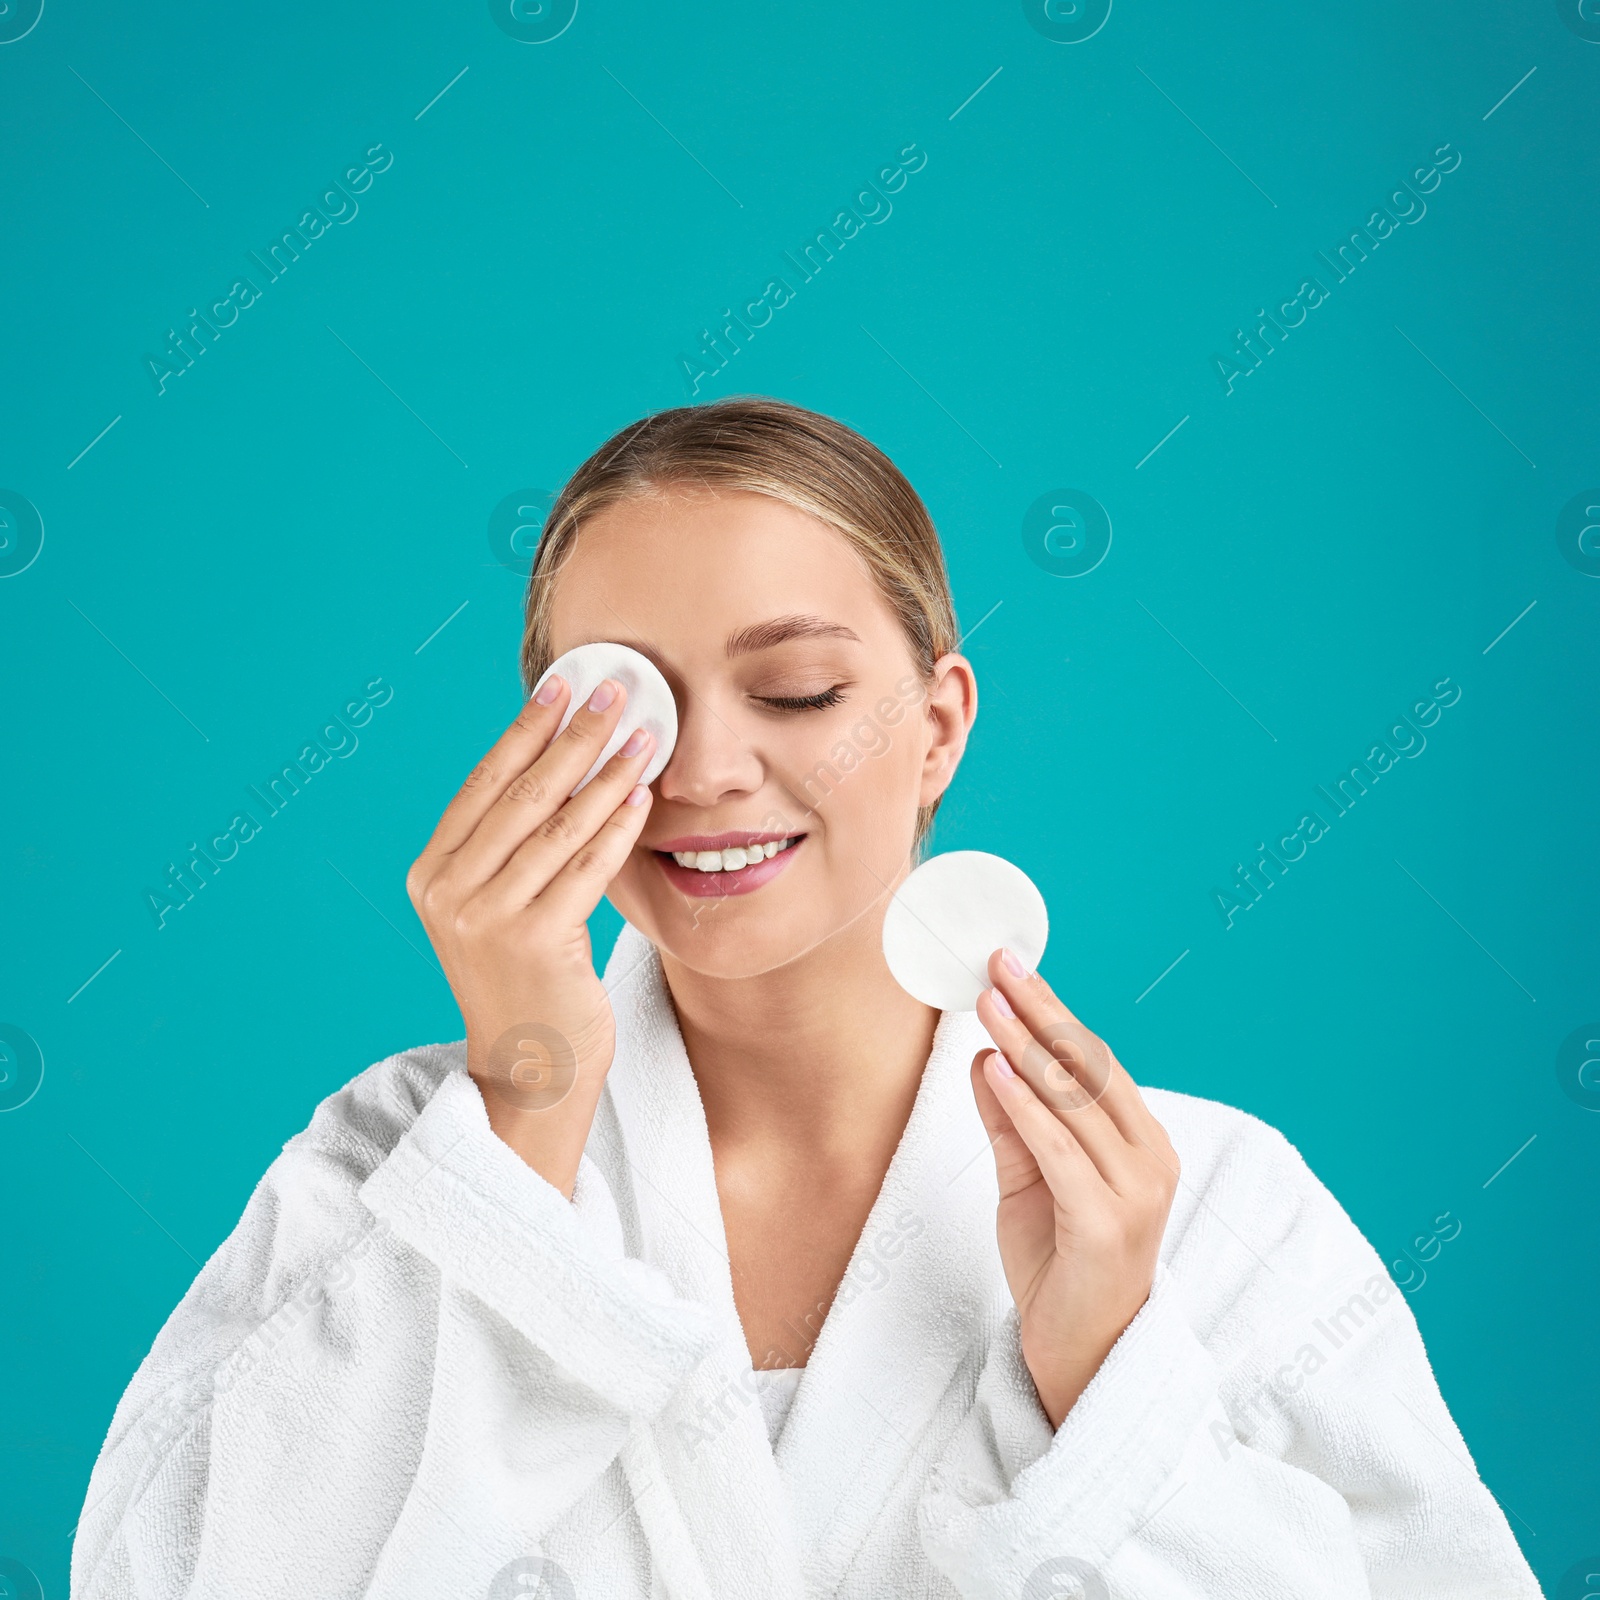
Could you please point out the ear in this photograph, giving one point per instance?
(951, 710)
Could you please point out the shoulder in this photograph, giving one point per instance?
(357, 1127)
(306, 1209)
(1252, 1227)
(1220, 1145)
(297, 1245)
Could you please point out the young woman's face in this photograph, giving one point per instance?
(801, 716)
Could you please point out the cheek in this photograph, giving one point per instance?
(639, 894)
(869, 738)
(876, 792)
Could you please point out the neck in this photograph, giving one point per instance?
(818, 1060)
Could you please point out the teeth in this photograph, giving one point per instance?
(730, 860)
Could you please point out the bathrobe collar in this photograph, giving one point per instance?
(923, 1287)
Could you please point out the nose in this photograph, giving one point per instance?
(711, 761)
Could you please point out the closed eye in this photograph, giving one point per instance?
(803, 702)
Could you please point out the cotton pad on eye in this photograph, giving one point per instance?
(650, 703)
(950, 916)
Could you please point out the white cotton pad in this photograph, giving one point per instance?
(950, 916)
(650, 703)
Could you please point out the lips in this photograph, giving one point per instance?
(725, 880)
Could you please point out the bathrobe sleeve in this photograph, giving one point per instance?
(1267, 1425)
(404, 1307)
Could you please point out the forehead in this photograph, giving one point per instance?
(685, 569)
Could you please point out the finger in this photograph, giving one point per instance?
(560, 836)
(1080, 1053)
(1059, 1091)
(575, 891)
(509, 756)
(1071, 1175)
(537, 793)
(1150, 1132)
(1014, 1163)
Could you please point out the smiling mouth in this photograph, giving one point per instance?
(726, 864)
(733, 859)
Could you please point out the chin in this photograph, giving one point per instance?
(725, 951)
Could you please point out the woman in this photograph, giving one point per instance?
(702, 1280)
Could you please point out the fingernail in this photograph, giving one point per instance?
(1001, 1004)
(548, 690)
(1012, 965)
(603, 696)
(1001, 1066)
(637, 740)
(637, 795)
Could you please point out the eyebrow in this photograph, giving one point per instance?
(780, 630)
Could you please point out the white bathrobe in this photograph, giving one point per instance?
(416, 1370)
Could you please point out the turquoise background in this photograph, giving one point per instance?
(299, 513)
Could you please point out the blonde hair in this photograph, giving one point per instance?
(808, 461)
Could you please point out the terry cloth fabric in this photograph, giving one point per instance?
(415, 1369)
(775, 1387)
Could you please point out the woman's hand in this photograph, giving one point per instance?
(1086, 1176)
(505, 888)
